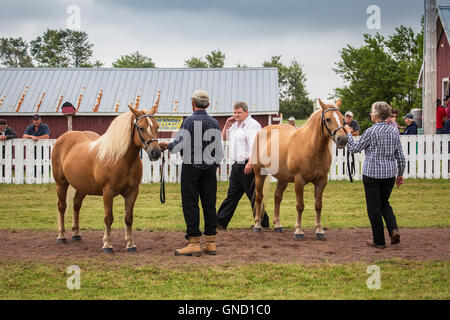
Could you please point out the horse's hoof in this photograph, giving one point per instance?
(321, 236)
(62, 240)
(76, 238)
(299, 237)
(131, 249)
(258, 230)
(107, 250)
(280, 229)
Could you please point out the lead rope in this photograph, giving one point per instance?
(350, 166)
(162, 188)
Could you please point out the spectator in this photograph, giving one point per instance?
(291, 121)
(37, 130)
(411, 126)
(447, 115)
(392, 120)
(5, 131)
(353, 124)
(447, 107)
(440, 117)
(383, 167)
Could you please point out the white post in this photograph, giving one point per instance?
(430, 81)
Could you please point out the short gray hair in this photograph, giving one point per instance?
(242, 105)
(382, 110)
(200, 103)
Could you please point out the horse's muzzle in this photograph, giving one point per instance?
(154, 153)
(341, 141)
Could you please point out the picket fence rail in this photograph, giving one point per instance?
(23, 161)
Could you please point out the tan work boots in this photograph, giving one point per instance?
(193, 247)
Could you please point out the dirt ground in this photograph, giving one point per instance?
(242, 246)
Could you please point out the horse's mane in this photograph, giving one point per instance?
(312, 118)
(114, 143)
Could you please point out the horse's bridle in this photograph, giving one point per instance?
(136, 128)
(324, 123)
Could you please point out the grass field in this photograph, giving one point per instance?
(102, 279)
(417, 204)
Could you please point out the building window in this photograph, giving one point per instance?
(445, 89)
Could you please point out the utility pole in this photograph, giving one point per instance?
(429, 85)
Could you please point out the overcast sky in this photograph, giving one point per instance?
(247, 31)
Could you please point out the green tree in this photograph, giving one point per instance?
(195, 62)
(95, 64)
(134, 60)
(275, 62)
(14, 53)
(294, 99)
(381, 70)
(49, 50)
(216, 59)
(78, 48)
(62, 48)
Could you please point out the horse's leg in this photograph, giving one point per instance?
(61, 191)
(109, 218)
(299, 187)
(77, 202)
(259, 186)
(281, 186)
(318, 192)
(130, 199)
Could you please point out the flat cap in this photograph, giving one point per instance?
(200, 95)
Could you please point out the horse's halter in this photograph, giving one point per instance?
(136, 128)
(324, 123)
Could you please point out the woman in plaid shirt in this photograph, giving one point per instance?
(383, 167)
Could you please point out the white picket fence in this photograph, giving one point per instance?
(23, 161)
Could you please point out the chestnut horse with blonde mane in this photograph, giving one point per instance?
(107, 166)
(297, 155)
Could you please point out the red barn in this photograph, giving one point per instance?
(100, 94)
(442, 54)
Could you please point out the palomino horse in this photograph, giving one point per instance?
(104, 166)
(297, 155)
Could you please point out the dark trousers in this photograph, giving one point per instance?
(240, 183)
(194, 183)
(378, 192)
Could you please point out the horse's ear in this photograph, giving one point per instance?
(136, 112)
(338, 103)
(153, 110)
(323, 105)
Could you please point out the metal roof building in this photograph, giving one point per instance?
(109, 91)
(100, 94)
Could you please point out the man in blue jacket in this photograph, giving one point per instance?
(411, 126)
(37, 130)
